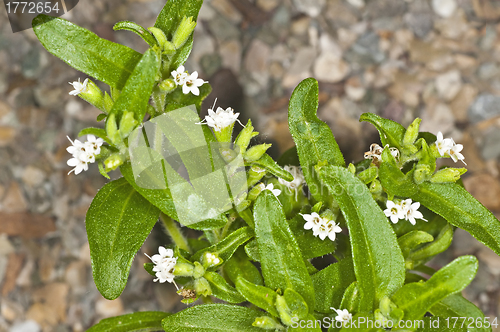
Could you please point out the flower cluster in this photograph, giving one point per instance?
(406, 209)
(221, 118)
(79, 87)
(298, 178)
(321, 227)
(447, 146)
(376, 150)
(164, 265)
(190, 83)
(83, 153)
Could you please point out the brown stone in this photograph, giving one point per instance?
(7, 134)
(11, 272)
(26, 225)
(14, 200)
(485, 188)
(50, 304)
(106, 308)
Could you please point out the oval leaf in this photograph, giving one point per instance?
(83, 50)
(378, 261)
(139, 321)
(280, 257)
(213, 318)
(261, 296)
(221, 289)
(118, 221)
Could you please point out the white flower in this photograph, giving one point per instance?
(394, 152)
(79, 87)
(164, 265)
(270, 187)
(443, 145)
(455, 154)
(298, 177)
(343, 316)
(374, 153)
(180, 75)
(212, 259)
(411, 212)
(221, 118)
(328, 228)
(394, 211)
(313, 221)
(192, 84)
(83, 153)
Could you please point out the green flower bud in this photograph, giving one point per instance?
(181, 35)
(447, 175)
(167, 85)
(107, 103)
(112, 129)
(127, 124)
(254, 175)
(160, 37)
(422, 173)
(376, 187)
(202, 287)
(252, 195)
(245, 136)
(328, 214)
(210, 259)
(92, 94)
(168, 48)
(256, 152)
(198, 271)
(411, 133)
(113, 162)
(267, 323)
(184, 270)
(317, 207)
(351, 168)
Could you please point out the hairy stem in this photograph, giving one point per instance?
(173, 230)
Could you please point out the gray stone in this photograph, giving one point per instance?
(210, 63)
(420, 23)
(488, 70)
(490, 146)
(444, 8)
(26, 326)
(385, 8)
(484, 107)
(365, 50)
(310, 7)
(223, 29)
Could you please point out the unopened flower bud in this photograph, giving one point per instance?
(198, 271)
(181, 35)
(256, 152)
(411, 133)
(252, 195)
(159, 36)
(447, 175)
(210, 259)
(113, 162)
(112, 129)
(255, 174)
(184, 270)
(245, 136)
(167, 85)
(202, 287)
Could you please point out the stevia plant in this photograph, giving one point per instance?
(375, 224)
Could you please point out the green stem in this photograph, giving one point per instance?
(173, 230)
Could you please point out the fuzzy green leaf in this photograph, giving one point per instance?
(272, 167)
(261, 296)
(136, 28)
(172, 13)
(457, 306)
(221, 289)
(118, 221)
(139, 321)
(313, 138)
(137, 91)
(415, 299)
(240, 266)
(378, 264)
(83, 50)
(391, 132)
(280, 257)
(213, 318)
(331, 283)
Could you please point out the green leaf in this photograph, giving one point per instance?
(221, 289)
(227, 246)
(118, 221)
(331, 283)
(391, 132)
(252, 250)
(136, 28)
(172, 13)
(439, 245)
(415, 299)
(350, 299)
(83, 50)
(289, 157)
(313, 138)
(378, 264)
(280, 258)
(272, 167)
(99, 132)
(460, 209)
(261, 296)
(240, 266)
(213, 318)
(139, 321)
(137, 91)
(456, 306)
(310, 245)
(162, 199)
(413, 239)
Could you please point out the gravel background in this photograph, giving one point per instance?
(438, 60)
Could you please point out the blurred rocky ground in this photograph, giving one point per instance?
(437, 59)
